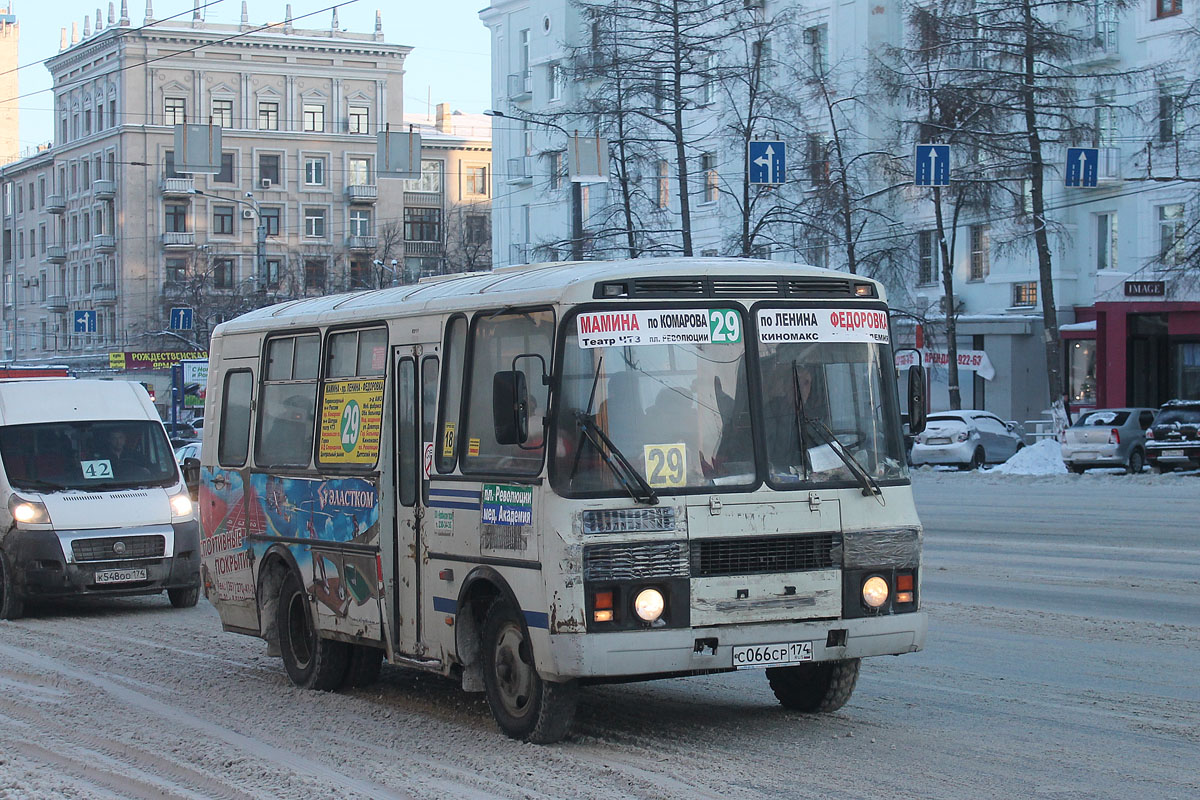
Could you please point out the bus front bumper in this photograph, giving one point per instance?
(684, 650)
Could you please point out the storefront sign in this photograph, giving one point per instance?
(1145, 288)
(976, 361)
(139, 362)
(780, 325)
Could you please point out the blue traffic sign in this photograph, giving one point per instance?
(1083, 167)
(181, 319)
(766, 163)
(932, 165)
(85, 321)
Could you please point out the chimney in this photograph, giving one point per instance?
(445, 122)
(112, 14)
(378, 26)
(149, 12)
(124, 13)
(245, 16)
(87, 27)
(74, 33)
(62, 40)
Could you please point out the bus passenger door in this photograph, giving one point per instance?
(407, 460)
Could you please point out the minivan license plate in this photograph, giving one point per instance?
(120, 575)
(772, 655)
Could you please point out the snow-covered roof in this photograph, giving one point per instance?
(1090, 325)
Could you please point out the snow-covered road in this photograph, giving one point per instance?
(1062, 662)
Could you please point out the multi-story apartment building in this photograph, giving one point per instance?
(103, 220)
(1122, 345)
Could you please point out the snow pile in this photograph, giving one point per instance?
(1043, 458)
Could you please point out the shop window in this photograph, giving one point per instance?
(1025, 294)
(1081, 369)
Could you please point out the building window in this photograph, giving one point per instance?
(223, 220)
(1170, 112)
(1171, 229)
(817, 158)
(556, 162)
(979, 252)
(314, 273)
(708, 166)
(1167, 8)
(430, 180)
(477, 229)
(222, 113)
(360, 274)
(176, 218)
(314, 223)
(360, 222)
(359, 171)
(226, 173)
(273, 266)
(1106, 241)
(761, 58)
(268, 116)
(270, 216)
(659, 88)
(476, 180)
(927, 257)
(268, 170)
(664, 184)
(422, 224)
(1104, 120)
(1025, 294)
(816, 41)
(554, 80)
(314, 171)
(176, 270)
(818, 253)
(359, 120)
(174, 112)
(708, 80)
(100, 117)
(314, 117)
(222, 273)
(1081, 371)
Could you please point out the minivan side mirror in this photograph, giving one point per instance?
(916, 399)
(510, 407)
(191, 473)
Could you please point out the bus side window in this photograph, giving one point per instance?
(429, 387)
(287, 403)
(406, 423)
(234, 444)
(445, 447)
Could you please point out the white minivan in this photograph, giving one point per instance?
(91, 498)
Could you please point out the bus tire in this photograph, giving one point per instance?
(362, 667)
(814, 688)
(311, 662)
(12, 606)
(184, 597)
(524, 706)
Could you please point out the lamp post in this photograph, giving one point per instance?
(260, 238)
(394, 269)
(576, 186)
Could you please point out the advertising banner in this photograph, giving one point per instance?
(132, 361)
(195, 373)
(975, 360)
(351, 420)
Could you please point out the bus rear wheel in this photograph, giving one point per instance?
(311, 662)
(524, 706)
(813, 688)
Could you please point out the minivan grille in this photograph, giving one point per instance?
(105, 549)
(622, 562)
(751, 556)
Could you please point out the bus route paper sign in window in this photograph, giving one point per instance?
(351, 419)
(659, 326)
(781, 325)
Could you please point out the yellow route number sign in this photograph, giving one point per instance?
(666, 464)
(351, 421)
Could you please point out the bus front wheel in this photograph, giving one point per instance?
(524, 706)
(814, 688)
(311, 662)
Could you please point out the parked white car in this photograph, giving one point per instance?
(966, 439)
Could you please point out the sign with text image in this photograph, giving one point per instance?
(351, 419)
(506, 505)
(666, 464)
(780, 325)
(659, 326)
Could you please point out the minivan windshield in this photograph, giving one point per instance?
(95, 455)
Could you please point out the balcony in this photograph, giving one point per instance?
(520, 86)
(105, 242)
(423, 199)
(174, 187)
(362, 193)
(1098, 42)
(104, 294)
(520, 170)
(56, 303)
(104, 190)
(179, 239)
(56, 254)
(422, 248)
(56, 203)
(362, 243)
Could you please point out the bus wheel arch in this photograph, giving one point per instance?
(277, 564)
(480, 589)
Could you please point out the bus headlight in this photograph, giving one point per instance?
(875, 591)
(181, 506)
(649, 604)
(28, 512)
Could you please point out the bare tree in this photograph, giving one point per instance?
(468, 238)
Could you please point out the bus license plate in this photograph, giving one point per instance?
(1172, 454)
(772, 655)
(120, 575)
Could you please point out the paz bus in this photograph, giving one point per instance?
(546, 476)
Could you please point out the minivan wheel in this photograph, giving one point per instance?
(311, 662)
(1137, 462)
(184, 597)
(12, 606)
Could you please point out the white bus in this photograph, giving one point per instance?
(545, 476)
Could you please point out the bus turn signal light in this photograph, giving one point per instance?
(602, 606)
(904, 587)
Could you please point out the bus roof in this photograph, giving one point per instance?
(665, 279)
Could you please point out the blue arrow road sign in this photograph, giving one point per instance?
(181, 319)
(1083, 167)
(933, 165)
(766, 163)
(85, 321)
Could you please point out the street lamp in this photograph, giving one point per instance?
(260, 239)
(394, 269)
(576, 186)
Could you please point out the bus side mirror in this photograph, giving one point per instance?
(510, 407)
(916, 399)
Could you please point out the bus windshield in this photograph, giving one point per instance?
(666, 388)
(99, 455)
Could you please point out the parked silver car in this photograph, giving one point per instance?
(967, 439)
(1108, 437)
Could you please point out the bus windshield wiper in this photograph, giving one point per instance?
(615, 460)
(869, 486)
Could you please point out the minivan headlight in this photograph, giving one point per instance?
(28, 512)
(181, 506)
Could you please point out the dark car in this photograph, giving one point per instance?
(1173, 441)
(180, 433)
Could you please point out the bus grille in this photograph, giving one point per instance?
(105, 549)
(622, 562)
(751, 556)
